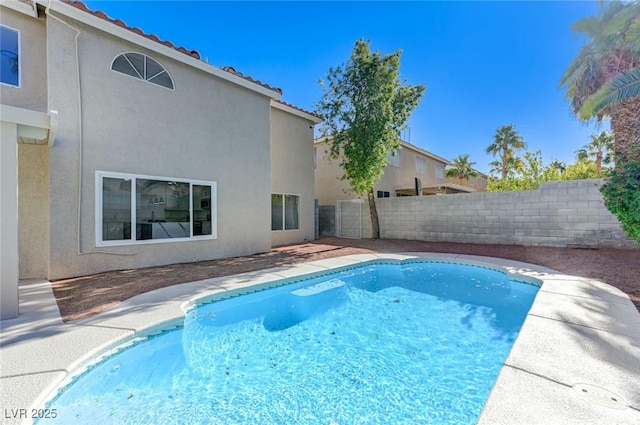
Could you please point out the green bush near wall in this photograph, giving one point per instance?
(622, 194)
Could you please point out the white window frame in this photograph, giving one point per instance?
(99, 203)
(284, 218)
(19, 58)
(421, 161)
(143, 78)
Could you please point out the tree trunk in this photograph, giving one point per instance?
(504, 163)
(375, 224)
(625, 124)
(598, 163)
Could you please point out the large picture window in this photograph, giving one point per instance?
(285, 212)
(10, 57)
(143, 209)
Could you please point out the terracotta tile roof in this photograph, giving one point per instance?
(193, 53)
(232, 70)
(80, 5)
(298, 108)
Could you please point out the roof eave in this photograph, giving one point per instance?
(295, 111)
(125, 34)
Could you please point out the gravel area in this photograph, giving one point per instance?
(85, 296)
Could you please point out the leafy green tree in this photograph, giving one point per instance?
(600, 149)
(559, 166)
(612, 50)
(530, 174)
(364, 106)
(534, 172)
(462, 168)
(505, 143)
(581, 170)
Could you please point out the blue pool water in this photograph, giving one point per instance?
(380, 344)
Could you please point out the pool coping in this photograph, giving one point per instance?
(578, 348)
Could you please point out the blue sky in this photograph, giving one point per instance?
(485, 64)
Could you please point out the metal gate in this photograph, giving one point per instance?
(349, 219)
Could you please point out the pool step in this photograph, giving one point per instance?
(318, 288)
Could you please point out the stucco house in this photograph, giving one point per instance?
(120, 150)
(412, 171)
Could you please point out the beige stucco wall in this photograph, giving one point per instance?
(8, 220)
(402, 177)
(33, 210)
(207, 129)
(291, 171)
(329, 187)
(478, 183)
(32, 93)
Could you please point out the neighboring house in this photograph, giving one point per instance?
(412, 171)
(478, 183)
(121, 151)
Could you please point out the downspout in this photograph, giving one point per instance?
(80, 140)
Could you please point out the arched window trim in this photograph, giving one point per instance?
(140, 77)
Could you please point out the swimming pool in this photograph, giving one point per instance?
(420, 342)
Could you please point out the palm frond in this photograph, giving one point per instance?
(621, 88)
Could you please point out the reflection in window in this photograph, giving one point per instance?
(277, 212)
(116, 209)
(10, 57)
(162, 209)
(291, 209)
(285, 212)
(201, 210)
(142, 67)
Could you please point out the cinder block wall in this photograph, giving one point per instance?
(563, 214)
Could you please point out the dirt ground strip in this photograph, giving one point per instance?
(88, 295)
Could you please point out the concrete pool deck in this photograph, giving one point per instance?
(575, 361)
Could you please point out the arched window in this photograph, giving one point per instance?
(143, 67)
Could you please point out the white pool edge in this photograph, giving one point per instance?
(578, 331)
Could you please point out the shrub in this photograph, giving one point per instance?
(621, 193)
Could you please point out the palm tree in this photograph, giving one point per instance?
(621, 88)
(612, 51)
(559, 166)
(600, 148)
(505, 142)
(462, 168)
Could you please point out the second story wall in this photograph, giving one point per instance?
(398, 178)
(292, 173)
(31, 62)
(206, 129)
